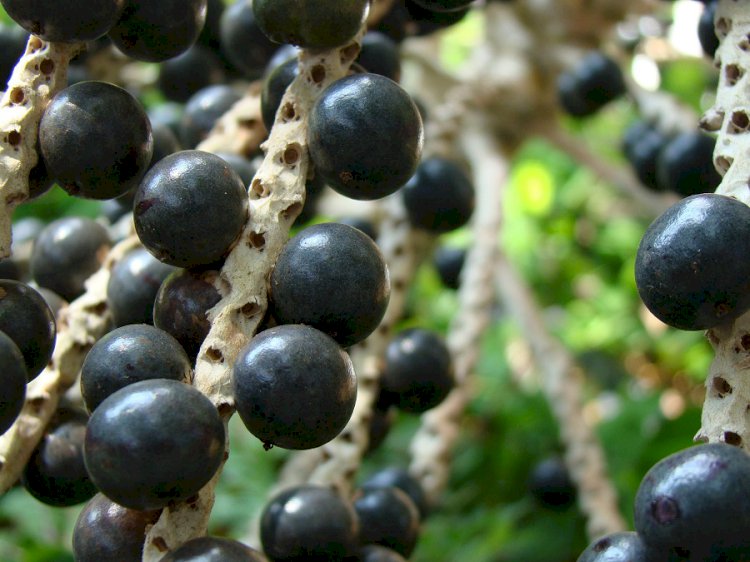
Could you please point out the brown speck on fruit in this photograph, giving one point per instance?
(346, 177)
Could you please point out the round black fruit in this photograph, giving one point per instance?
(439, 197)
(190, 208)
(418, 372)
(311, 24)
(401, 479)
(213, 549)
(156, 31)
(13, 388)
(294, 387)
(590, 85)
(66, 253)
(692, 265)
(352, 130)
(616, 547)
(333, 277)
(685, 165)
(127, 355)
(696, 502)
(387, 517)
(309, 523)
(182, 304)
(26, 318)
(550, 484)
(96, 140)
(133, 285)
(56, 474)
(243, 42)
(105, 530)
(202, 111)
(83, 20)
(152, 443)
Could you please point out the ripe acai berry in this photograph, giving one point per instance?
(105, 530)
(213, 549)
(96, 140)
(365, 136)
(616, 547)
(294, 387)
(590, 85)
(310, 24)
(83, 20)
(66, 253)
(152, 443)
(310, 523)
(439, 197)
(692, 266)
(26, 318)
(156, 31)
(696, 503)
(190, 208)
(333, 277)
(13, 388)
(418, 372)
(127, 355)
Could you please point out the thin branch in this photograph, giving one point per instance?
(80, 324)
(725, 410)
(37, 77)
(432, 445)
(563, 388)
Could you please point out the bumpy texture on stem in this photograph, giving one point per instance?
(276, 197)
(39, 74)
(433, 443)
(563, 388)
(79, 325)
(726, 411)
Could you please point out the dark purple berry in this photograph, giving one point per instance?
(439, 197)
(310, 524)
(105, 530)
(401, 479)
(182, 305)
(13, 387)
(26, 318)
(418, 371)
(190, 208)
(333, 277)
(213, 549)
(351, 135)
(616, 547)
(387, 517)
(696, 501)
(311, 24)
(128, 355)
(691, 268)
(550, 484)
(685, 164)
(294, 387)
(133, 285)
(242, 40)
(590, 85)
(449, 262)
(156, 31)
(56, 474)
(202, 111)
(83, 20)
(152, 443)
(66, 253)
(96, 140)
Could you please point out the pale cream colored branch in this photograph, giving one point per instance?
(80, 324)
(39, 74)
(276, 197)
(432, 445)
(726, 410)
(563, 388)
